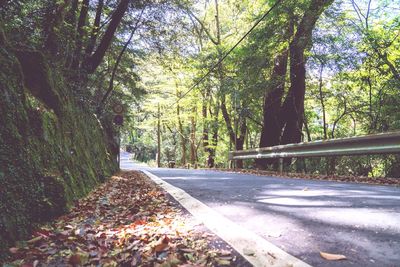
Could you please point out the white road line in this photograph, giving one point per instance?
(254, 248)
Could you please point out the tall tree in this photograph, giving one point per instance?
(293, 107)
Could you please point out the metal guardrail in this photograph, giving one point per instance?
(385, 143)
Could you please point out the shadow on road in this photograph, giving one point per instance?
(305, 217)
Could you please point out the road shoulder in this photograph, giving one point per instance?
(252, 247)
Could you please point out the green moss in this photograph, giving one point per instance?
(54, 200)
(47, 159)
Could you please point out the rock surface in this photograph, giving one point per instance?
(52, 150)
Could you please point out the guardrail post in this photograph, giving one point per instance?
(280, 165)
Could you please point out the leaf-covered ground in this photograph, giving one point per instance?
(127, 221)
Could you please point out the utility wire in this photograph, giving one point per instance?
(228, 53)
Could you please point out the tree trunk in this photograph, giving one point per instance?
(53, 21)
(95, 29)
(322, 100)
(80, 35)
(95, 59)
(214, 139)
(205, 126)
(238, 141)
(182, 137)
(330, 160)
(3, 3)
(111, 84)
(193, 150)
(272, 119)
(293, 108)
(228, 122)
(159, 137)
(71, 14)
(270, 134)
(272, 128)
(308, 133)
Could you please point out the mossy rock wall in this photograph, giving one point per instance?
(52, 150)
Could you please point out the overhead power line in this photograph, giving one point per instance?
(227, 53)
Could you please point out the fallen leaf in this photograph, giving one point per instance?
(163, 256)
(52, 251)
(202, 261)
(248, 252)
(162, 244)
(84, 256)
(74, 260)
(109, 263)
(136, 259)
(274, 234)
(165, 240)
(13, 250)
(34, 240)
(160, 247)
(186, 250)
(17, 263)
(272, 255)
(228, 258)
(189, 256)
(223, 262)
(332, 257)
(224, 252)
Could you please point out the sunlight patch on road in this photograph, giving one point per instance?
(300, 192)
(360, 218)
(297, 202)
(193, 178)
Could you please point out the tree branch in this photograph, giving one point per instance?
(193, 16)
(227, 119)
(94, 60)
(80, 34)
(111, 85)
(95, 29)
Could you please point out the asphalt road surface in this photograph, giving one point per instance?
(302, 217)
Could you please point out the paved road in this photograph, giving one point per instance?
(301, 216)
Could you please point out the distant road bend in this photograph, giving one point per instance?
(302, 217)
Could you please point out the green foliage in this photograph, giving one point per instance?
(349, 70)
